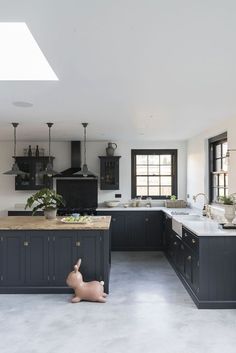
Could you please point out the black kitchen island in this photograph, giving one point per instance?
(36, 254)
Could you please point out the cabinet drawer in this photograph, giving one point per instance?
(190, 239)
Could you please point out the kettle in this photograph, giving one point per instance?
(110, 149)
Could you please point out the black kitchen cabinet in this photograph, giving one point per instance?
(13, 259)
(90, 253)
(40, 261)
(64, 255)
(154, 229)
(36, 258)
(135, 230)
(32, 179)
(109, 173)
(120, 240)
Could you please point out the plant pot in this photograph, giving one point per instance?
(229, 214)
(50, 213)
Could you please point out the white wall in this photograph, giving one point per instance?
(61, 150)
(197, 160)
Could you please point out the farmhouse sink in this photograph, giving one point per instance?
(177, 221)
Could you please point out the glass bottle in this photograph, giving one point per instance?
(29, 151)
(37, 151)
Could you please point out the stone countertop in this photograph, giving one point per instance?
(203, 227)
(40, 223)
(169, 211)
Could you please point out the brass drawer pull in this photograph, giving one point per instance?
(77, 243)
(26, 243)
(185, 234)
(193, 241)
(147, 219)
(189, 257)
(175, 243)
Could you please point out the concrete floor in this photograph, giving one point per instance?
(148, 310)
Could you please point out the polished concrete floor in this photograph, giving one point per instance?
(148, 310)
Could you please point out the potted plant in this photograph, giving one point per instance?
(47, 200)
(229, 206)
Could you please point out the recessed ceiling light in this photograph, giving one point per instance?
(21, 57)
(22, 104)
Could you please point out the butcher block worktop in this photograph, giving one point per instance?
(40, 223)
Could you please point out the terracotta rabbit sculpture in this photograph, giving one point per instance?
(91, 291)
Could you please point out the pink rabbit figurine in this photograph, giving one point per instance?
(91, 291)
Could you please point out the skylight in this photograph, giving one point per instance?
(21, 58)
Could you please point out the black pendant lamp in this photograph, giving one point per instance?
(49, 169)
(15, 169)
(84, 171)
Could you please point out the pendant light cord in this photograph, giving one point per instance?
(15, 126)
(49, 147)
(49, 141)
(14, 142)
(85, 152)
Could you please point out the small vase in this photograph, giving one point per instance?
(110, 149)
(229, 214)
(50, 213)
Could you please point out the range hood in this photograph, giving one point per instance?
(73, 171)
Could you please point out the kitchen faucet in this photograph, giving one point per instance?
(206, 208)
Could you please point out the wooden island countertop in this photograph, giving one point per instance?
(40, 223)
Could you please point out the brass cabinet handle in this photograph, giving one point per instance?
(146, 219)
(26, 243)
(189, 257)
(175, 243)
(193, 241)
(77, 243)
(185, 234)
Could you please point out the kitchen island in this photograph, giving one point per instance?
(36, 254)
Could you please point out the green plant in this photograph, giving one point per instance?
(173, 197)
(46, 199)
(227, 200)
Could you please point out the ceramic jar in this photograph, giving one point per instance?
(110, 150)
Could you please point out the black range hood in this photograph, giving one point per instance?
(75, 164)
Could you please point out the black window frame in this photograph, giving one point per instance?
(174, 168)
(212, 143)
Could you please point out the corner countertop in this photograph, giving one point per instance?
(40, 223)
(203, 227)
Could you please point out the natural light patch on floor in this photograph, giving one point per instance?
(21, 57)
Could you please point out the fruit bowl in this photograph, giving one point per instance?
(112, 203)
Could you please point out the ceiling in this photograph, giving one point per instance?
(133, 69)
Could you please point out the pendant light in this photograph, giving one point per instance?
(15, 169)
(85, 172)
(49, 169)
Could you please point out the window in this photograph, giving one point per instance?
(218, 168)
(154, 173)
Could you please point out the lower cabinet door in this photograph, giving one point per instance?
(13, 260)
(191, 268)
(65, 252)
(89, 252)
(37, 261)
(154, 230)
(135, 231)
(119, 238)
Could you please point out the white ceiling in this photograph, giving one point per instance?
(162, 68)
